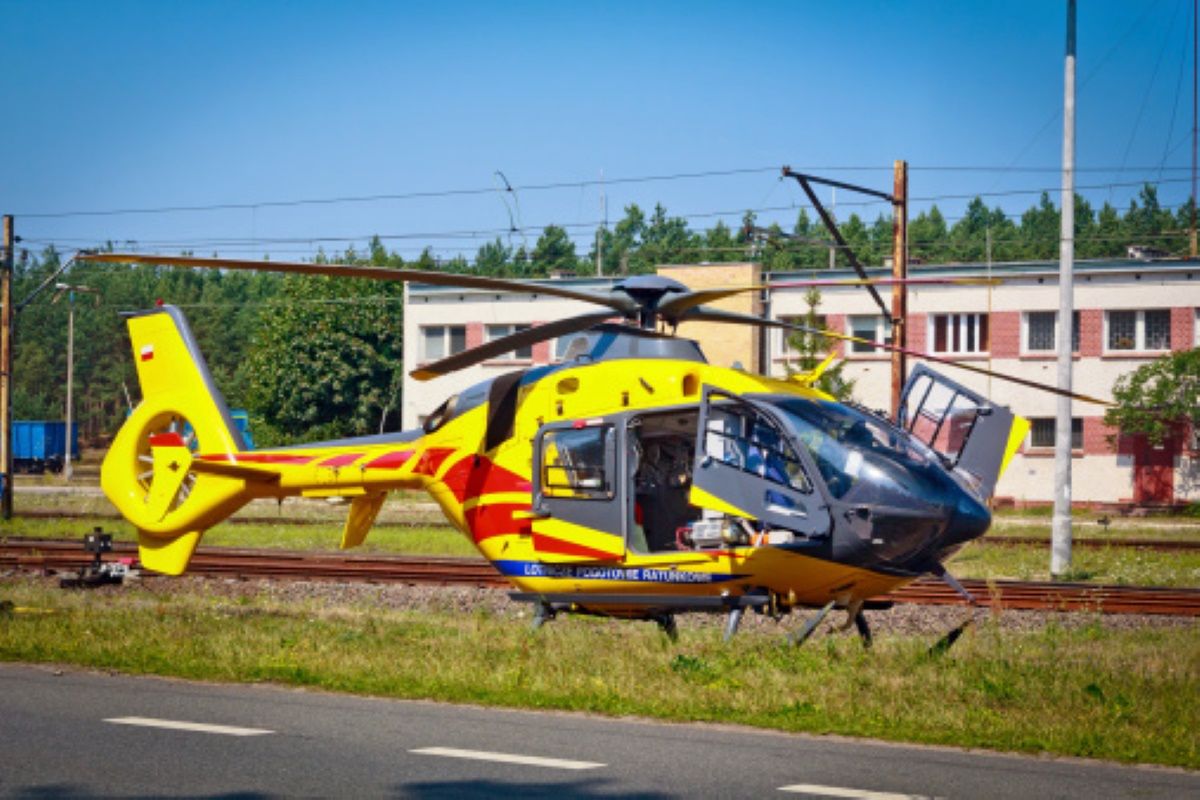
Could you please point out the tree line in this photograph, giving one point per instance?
(320, 357)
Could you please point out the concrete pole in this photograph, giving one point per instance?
(1060, 544)
(67, 469)
(899, 288)
(6, 344)
(1195, 46)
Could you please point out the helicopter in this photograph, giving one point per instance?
(633, 479)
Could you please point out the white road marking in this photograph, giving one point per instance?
(199, 727)
(854, 794)
(507, 758)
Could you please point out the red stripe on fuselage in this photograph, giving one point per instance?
(549, 544)
(475, 476)
(431, 459)
(341, 461)
(394, 460)
(486, 521)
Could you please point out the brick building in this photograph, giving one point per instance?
(1127, 314)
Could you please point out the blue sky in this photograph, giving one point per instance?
(126, 105)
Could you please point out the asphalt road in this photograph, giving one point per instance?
(79, 734)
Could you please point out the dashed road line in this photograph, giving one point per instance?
(197, 727)
(507, 758)
(844, 792)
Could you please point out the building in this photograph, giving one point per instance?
(1127, 314)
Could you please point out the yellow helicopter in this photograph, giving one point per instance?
(633, 479)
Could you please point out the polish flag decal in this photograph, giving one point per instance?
(147, 352)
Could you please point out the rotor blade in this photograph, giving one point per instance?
(672, 309)
(731, 317)
(506, 344)
(615, 302)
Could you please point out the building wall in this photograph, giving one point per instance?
(1101, 474)
(724, 345)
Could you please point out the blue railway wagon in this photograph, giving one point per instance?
(39, 445)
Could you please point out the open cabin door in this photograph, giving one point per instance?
(579, 494)
(975, 437)
(747, 467)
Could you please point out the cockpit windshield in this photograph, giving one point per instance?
(845, 442)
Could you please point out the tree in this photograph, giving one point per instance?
(1158, 398)
(554, 252)
(326, 360)
(813, 348)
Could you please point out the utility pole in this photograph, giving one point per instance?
(6, 343)
(1060, 544)
(69, 291)
(899, 288)
(1195, 37)
(601, 229)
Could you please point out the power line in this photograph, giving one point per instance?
(540, 187)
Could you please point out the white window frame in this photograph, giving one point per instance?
(964, 320)
(882, 333)
(491, 333)
(1028, 351)
(1139, 343)
(447, 342)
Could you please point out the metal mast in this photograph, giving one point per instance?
(1060, 545)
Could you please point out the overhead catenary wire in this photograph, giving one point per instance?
(539, 187)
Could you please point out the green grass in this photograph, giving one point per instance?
(1121, 565)
(1127, 695)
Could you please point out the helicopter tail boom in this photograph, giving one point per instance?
(149, 473)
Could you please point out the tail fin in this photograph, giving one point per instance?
(147, 473)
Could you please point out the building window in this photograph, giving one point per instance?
(500, 331)
(1041, 433)
(869, 326)
(1041, 332)
(959, 333)
(440, 341)
(1138, 330)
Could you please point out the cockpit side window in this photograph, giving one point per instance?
(574, 463)
(739, 437)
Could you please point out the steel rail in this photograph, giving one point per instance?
(57, 555)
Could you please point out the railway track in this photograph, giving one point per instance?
(58, 556)
(434, 520)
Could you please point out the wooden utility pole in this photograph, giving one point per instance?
(899, 288)
(6, 360)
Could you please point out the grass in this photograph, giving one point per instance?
(1121, 565)
(425, 540)
(1126, 695)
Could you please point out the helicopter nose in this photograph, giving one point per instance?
(969, 520)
